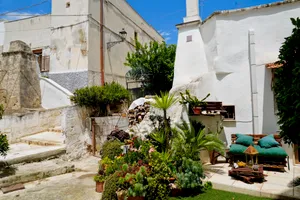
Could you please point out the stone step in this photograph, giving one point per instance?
(25, 153)
(34, 171)
(48, 138)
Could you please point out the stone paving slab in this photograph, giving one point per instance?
(45, 138)
(23, 152)
(277, 184)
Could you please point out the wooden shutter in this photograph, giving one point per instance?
(45, 66)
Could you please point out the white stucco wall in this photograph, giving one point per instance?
(226, 42)
(2, 34)
(34, 31)
(53, 95)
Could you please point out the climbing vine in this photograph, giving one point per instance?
(287, 86)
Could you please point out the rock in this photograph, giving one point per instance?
(118, 134)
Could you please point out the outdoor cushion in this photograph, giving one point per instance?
(245, 140)
(268, 142)
(271, 152)
(237, 149)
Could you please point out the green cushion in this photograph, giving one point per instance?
(237, 149)
(268, 142)
(271, 152)
(245, 140)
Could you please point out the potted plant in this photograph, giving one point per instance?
(99, 179)
(121, 194)
(194, 103)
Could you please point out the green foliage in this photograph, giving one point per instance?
(1, 111)
(99, 178)
(137, 182)
(111, 186)
(193, 101)
(4, 146)
(154, 65)
(287, 86)
(111, 149)
(190, 175)
(96, 98)
(158, 139)
(189, 142)
(164, 102)
(158, 189)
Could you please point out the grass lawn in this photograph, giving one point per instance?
(220, 195)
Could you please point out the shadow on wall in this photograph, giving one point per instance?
(269, 119)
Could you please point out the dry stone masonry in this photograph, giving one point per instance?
(137, 114)
(19, 81)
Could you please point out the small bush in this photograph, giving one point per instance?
(97, 98)
(110, 188)
(111, 149)
(1, 111)
(4, 147)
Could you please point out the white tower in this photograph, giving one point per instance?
(190, 61)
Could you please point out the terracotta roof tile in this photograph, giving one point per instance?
(273, 65)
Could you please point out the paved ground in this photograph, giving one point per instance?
(277, 184)
(72, 186)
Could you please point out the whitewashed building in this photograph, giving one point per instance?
(2, 33)
(227, 55)
(68, 40)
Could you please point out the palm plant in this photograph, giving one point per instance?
(164, 102)
(189, 142)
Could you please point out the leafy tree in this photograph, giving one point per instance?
(154, 65)
(287, 86)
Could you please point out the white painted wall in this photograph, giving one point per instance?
(2, 34)
(35, 31)
(53, 95)
(226, 44)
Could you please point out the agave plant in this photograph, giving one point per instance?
(164, 102)
(189, 142)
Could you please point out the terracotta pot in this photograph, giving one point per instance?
(135, 198)
(197, 110)
(99, 187)
(172, 180)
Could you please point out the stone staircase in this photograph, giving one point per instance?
(34, 157)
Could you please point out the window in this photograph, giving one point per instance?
(135, 35)
(229, 112)
(43, 61)
(189, 38)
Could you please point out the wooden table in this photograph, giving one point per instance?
(247, 174)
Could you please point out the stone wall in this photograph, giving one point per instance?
(17, 125)
(19, 86)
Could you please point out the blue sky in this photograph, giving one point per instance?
(163, 15)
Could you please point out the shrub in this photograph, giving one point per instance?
(111, 149)
(97, 98)
(1, 111)
(4, 147)
(111, 186)
(190, 175)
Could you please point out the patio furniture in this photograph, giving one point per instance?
(273, 157)
(214, 156)
(247, 174)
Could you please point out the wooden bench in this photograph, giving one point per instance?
(267, 162)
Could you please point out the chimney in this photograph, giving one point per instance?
(192, 11)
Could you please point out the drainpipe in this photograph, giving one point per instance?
(253, 81)
(102, 41)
